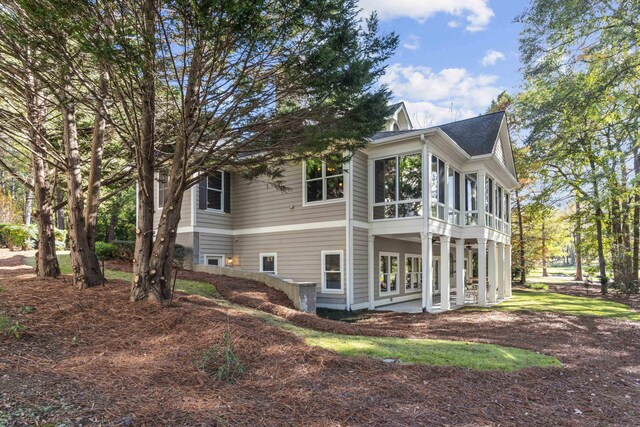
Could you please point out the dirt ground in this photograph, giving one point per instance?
(92, 358)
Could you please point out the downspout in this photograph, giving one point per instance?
(426, 209)
(349, 237)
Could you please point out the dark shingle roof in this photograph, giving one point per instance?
(393, 107)
(476, 136)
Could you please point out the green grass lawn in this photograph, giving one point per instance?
(187, 286)
(566, 304)
(478, 356)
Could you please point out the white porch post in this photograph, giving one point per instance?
(445, 275)
(493, 276)
(501, 271)
(507, 271)
(460, 272)
(427, 284)
(482, 271)
(372, 273)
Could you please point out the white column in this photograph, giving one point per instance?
(460, 272)
(372, 273)
(501, 271)
(481, 197)
(482, 271)
(427, 285)
(507, 271)
(493, 273)
(445, 276)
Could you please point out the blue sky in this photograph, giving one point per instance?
(454, 56)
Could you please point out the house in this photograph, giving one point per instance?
(359, 230)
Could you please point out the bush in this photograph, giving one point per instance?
(17, 236)
(221, 361)
(105, 250)
(178, 256)
(536, 286)
(124, 249)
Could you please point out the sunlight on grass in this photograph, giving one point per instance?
(187, 286)
(566, 304)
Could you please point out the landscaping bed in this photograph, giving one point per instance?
(90, 358)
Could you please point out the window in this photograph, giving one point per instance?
(214, 191)
(488, 201)
(269, 263)
(453, 185)
(388, 273)
(217, 260)
(332, 271)
(412, 272)
(437, 188)
(163, 188)
(471, 198)
(324, 181)
(499, 211)
(398, 187)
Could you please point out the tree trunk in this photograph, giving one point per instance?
(95, 169)
(636, 219)
(578, 242)
(60, 212)
(111, 229)
(28, 204)
(523, 271)
(544, 251)
(142, 281)
(46, 260)
(602, 263)
(86, 268)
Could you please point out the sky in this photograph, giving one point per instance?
(454, 56)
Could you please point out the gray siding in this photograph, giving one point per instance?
(360, 265)
(185, 211)
(360, 187)
(214, 244)
(299, 255)
(256, 204)
(402, 247)
(206, 218)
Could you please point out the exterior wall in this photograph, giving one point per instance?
(214, 244)
(298, 256)
(360, 265)
(360, 187)
(207, 218)
(185, 211)
(256, 204)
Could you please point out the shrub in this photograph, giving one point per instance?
(124, 249)
(178, 256)
(105, 250)
(17, 236)
(61, 239)
(221, 360)
(536, 286)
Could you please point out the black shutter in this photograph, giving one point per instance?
(227, 192)
(202, 194)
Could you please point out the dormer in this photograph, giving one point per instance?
(398, 118)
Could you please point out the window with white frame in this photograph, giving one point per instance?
(216, 260)
(388, 272)
(269, 263)
(488, 201)
(499, 209)
(163, 188)
(332, 277)
(323, 181)
(398, 187)
(215, 186)
(471, 198)
(453, 185)
(412, 272)
(438, 187)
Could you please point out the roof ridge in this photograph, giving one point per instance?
(472, 118)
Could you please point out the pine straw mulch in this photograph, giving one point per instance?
(92, 358)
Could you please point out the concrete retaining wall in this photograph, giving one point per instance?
(302, 295)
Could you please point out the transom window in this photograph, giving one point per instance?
(412, 272)
(269, 263)
(398, 187)
(437, 187)
(388, 273)
(215, 187)
(324, 181)
(332, 271)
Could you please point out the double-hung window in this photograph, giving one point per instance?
(499, 211)
(438, 187)
(163, 188)
(453, 184)
(507, 212)
(323, 181)
(488, 201)
(388, 273)
(398, 187)
(214, 192)
(332, 277)
(471, 198)
(412, 272)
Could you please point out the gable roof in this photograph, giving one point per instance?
(476, 136)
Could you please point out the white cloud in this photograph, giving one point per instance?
(412, 42)
(476, 12)
(453, 24)
(443, 96)
(491, 57)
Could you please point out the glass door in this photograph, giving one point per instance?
(436, 275)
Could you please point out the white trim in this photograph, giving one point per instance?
(360, 224)
(332, 306)
(389, 254)
(275, 262)
(387, 301)
(221, 191)
(205, 256)
(323, 178)
(342, 272)
(348, 188)
(412, 289)
(262, 230)
(193, 206)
